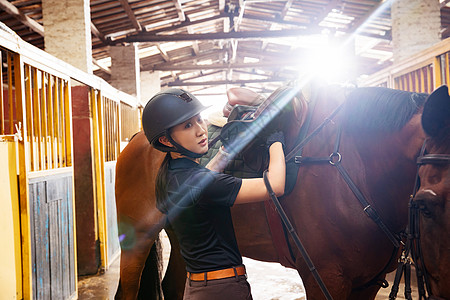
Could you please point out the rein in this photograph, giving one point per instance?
(333, 159)
(412, 252)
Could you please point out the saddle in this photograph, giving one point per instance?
(246, 131)
(248, 127)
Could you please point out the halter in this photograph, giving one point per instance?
(412, 252)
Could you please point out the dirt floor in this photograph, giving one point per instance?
(269, 281)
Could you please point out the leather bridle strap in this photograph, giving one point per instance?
(412, 247)
(434, 159)
(296, 239)
(368, 209)
(335, 159)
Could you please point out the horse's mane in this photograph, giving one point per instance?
(380, 109)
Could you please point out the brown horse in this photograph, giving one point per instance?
(433, 196)
(381, 138)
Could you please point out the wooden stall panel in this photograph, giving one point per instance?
(10, 251)
(419, 81)
(444, 63)
(8, 111)
(113, 245)
(48, 161)
(111, 129)
(48, 120)
(130, 122)
(53, 257)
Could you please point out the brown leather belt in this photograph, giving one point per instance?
(219, 274)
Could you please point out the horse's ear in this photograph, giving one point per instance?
(436, 112)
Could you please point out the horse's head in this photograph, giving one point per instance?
(433, 197)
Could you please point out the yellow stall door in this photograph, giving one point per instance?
(10, 252)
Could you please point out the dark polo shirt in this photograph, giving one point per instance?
(198, 209)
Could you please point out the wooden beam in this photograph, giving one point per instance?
(146, 37)
(126, 6)
(187, 24)
(191, 59)
(275, 64)
(222, 6)
(325, 12)
(180, 11)
(104, 69)
(275, 20)
(10, 9)
(219, 82)
(98, 34)
(366, 17)
(286, 8)
(163, 53)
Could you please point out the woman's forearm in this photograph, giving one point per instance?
(219, 161)
(277, 168)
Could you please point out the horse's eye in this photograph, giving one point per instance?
(429, 204)
(425, 211)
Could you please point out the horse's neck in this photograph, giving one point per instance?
(389, 164)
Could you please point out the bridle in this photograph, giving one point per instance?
(334, 159)
(412, 252)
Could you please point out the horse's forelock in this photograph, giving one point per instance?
(380, 109)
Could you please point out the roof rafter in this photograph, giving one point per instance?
(275, 64)
(147, 37)
(126, 6)
(98, 34)
(16, 13)
(180, 11)
(219, 82)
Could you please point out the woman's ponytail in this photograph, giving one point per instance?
(161, 184)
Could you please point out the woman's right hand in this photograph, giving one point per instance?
(254, 189)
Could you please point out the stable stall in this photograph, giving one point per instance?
(45, 123)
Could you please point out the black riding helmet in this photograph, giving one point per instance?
(165, 110)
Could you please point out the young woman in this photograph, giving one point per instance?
(197, 200)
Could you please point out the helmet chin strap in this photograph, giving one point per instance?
(180, 149)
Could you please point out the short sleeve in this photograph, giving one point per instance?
(222, 190)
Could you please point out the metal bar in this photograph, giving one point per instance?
(37, 118)
(55, 122)
(108, 129)
(52, 160)
(437, 71)
(99, 158)
(422, 80)
(68, 123)
(29, 117)
(118, 133)
(62, 124)
(10, 93)
(446, 69)
(2, 102)
(44, 120)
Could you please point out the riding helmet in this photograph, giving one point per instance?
(165, 110)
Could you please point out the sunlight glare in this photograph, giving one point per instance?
(328, 63)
